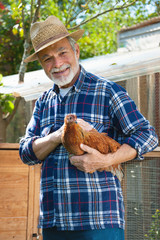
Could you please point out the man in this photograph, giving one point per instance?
(73, 202)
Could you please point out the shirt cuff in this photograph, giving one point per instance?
(28, 156)
(136, 146)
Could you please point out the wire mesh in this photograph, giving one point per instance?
(141, 190)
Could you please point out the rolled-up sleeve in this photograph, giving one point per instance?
(138, 132)
(32, 133)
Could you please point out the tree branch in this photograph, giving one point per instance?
(75, 16)
(99, 14)
(23, 21)
(27, 42)
(36, 14)
(10, 116)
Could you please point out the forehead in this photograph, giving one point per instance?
(56, 47)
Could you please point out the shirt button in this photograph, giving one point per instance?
(63, 103)
(56, 163)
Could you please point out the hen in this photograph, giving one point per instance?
(73, 135)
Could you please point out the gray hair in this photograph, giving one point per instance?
(72, 43)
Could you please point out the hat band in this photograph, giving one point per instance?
(49, 40)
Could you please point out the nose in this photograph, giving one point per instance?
(58, 62)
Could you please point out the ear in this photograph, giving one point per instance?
(77, 50)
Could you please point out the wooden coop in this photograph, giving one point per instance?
(136, 67)
(19, 198)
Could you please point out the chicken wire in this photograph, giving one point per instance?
(141, 190)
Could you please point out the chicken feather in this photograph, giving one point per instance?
(73, 135)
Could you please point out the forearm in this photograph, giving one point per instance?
(123, 154)
(42, 147)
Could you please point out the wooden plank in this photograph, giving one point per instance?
(13, 194)
(10, 158)
(13, 177)
(143, 95)
(17, 223)
(37, 170)
(10, 235)
(13, 208)
(14, 146)
(151, 99)
(154, 153)
(132, 87)
(30, 203)
(12, 169)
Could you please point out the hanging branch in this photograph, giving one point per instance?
(99, 14)
(75, 14)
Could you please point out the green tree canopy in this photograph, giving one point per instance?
(100, 33)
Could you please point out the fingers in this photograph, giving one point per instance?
(87, 148)
(84, 125)
(83, 162)
(75, 159)
(88, 162)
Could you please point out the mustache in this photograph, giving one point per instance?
(62, 68)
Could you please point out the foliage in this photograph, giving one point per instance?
(6, 101)
(100, 34)
(12, 37)
(154, 231)
(9, 53)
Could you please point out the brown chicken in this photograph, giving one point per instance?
(73, 135)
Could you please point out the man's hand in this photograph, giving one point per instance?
(84, 125)
(91, 161)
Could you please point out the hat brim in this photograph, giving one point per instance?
(75, 35)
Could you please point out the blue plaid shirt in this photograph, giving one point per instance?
(71, 199)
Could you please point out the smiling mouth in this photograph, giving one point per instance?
(60, 72)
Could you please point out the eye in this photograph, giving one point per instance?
(47, 59)
(63, 53)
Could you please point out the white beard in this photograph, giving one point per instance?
(64, 80)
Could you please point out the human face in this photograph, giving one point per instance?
(60, 63)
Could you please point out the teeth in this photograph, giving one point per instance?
(59, 70)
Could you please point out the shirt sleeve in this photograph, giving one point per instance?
(32, 133)
(138, 132)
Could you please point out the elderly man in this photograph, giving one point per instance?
(73, 202)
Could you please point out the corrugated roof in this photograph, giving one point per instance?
(142, 24)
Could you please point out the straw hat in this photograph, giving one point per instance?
(44, 34)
